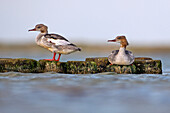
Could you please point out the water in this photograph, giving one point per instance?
(90, 93)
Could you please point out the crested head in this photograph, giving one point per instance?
(40, 27)
(120, 39)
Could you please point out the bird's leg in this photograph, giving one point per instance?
(58, 57)
(54, 58)
(131, 64)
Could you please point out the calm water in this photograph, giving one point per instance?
(91, 93)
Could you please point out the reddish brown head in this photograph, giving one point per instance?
(120, 39)
(40, 27)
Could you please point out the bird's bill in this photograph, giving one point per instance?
(32, 29)
(112, 40)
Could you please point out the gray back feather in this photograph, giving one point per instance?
(55, 36)
(111, 57)
(130, 54)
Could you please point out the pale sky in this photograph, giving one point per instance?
(143, 22)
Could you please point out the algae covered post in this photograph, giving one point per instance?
(90, 65)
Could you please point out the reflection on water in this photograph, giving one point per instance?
(91, 93)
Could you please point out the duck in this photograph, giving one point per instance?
(121, 56)
(55, 43)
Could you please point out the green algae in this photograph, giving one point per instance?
(90, 66)
(52, 66)
(148, 66)
(101, 63)
(81, 67)
(121, 69)
(18, 65)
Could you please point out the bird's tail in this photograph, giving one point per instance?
(79, 49)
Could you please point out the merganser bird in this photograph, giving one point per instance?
(121, 56)
(53, 42)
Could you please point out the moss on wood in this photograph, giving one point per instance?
(148, 66)
(120, 69)
(91, 65)
(101, 63)
(19, 65)
(81, 67)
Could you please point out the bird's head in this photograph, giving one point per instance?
(120, 39)
(40, 27)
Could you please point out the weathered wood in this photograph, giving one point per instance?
(91, 65)
(18, 65)
(148, 66)
(141, 65)
(81, 67)
(101, 62)
(120, 69)
(52, 66)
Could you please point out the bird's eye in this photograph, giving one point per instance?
(38, 27)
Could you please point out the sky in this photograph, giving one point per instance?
(143, 22)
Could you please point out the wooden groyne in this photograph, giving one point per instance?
(90, 65)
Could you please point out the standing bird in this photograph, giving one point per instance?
(121, 56)
(53, 42)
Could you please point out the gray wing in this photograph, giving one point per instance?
(54, 40)
(66, 49)
(131, 56)
(69, 47)
(111, 57)
(55, 37)
(115, 52)
(59, 44)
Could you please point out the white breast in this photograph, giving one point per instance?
(39, 39)
(122, 58)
